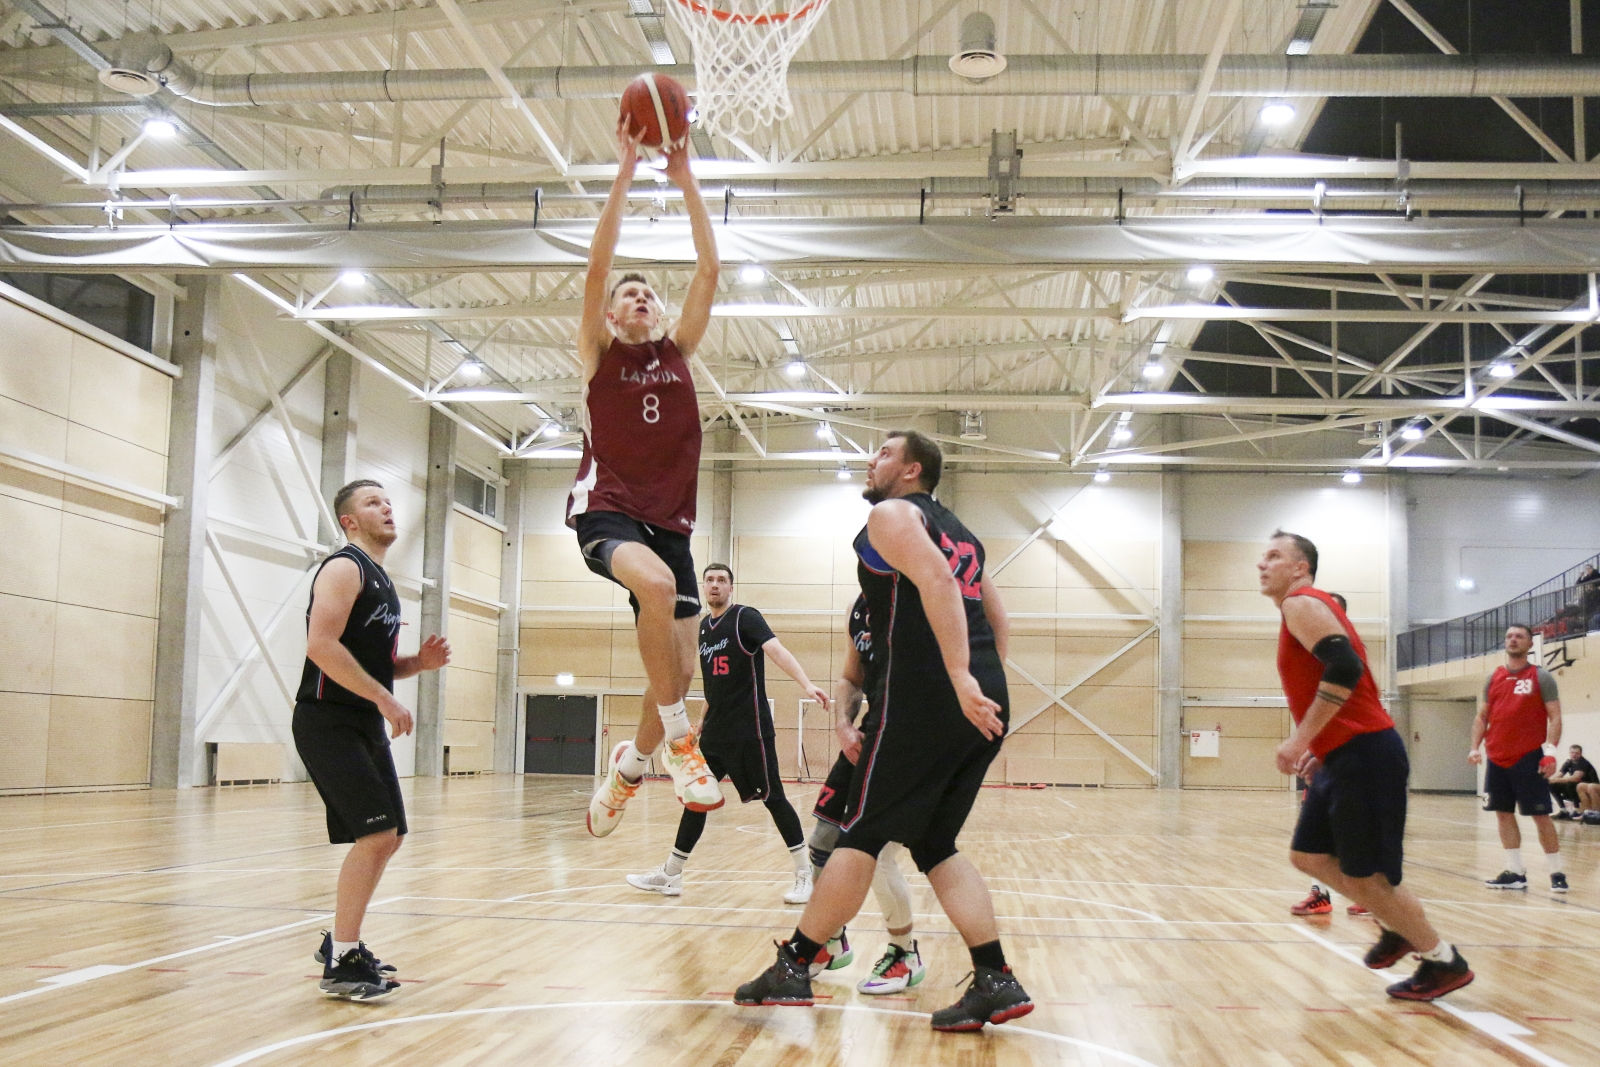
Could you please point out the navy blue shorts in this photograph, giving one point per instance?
(1355, 807)
(1519, 787)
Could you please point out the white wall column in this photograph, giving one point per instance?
(722, 500)
(1169, 678)
(1398, 500)
(435, 597)
(506, 740)
(174, 761)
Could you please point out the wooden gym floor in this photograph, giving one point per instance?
(1150, 928)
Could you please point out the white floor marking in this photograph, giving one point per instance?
(1496, 1026)
(1150, 915)
(104, 970)
(306, 1039)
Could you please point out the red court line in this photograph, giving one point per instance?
(895, 998)
(168, 970)
(1548, 1019)
(1345, 1011)
(410, 981)
(1236, 1007)
(495, 984)
(250, 974)
(719, 993)
(1430, 1014)
(1152, 1005)
(47, 966)
(647, 991)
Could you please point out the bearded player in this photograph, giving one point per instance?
(1352, 825)
(633, 505)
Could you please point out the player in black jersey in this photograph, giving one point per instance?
(938, 623)
(736, 734)
(900, 966)
(346, 694)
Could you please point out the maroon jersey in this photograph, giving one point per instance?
(1301, 673)
(1518, 719)
(641, 438)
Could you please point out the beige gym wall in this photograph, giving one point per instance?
(474, 635)
(79, 564)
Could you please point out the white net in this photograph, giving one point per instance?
(742, 50)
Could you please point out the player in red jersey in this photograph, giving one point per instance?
(1519, 725)
(633, 504)
(1352, 824)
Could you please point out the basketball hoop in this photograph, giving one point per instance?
(742, 50)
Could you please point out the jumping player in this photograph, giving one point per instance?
(942, 716)
(346, 694)
(633, 504)
(900, 966)
(736, 733)
(1519, 725)
(1351, 830)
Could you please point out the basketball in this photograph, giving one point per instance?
(653, 103)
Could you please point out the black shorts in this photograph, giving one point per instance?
(750, 764)
(1355, 807)
(599, 533)
(922, 764)
(346, 752)
(1519, 787)
(833, 798)
(1567, 791)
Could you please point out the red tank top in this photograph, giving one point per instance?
(1301, 672)
(641, 438)
(1518, 721)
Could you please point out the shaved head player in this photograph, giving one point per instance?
(346, 694)
(1352, 823)
(633, 504)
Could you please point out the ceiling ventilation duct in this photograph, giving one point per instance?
(143, 66)
(976, 59)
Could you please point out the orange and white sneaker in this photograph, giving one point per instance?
(605, 807)
(691, 778)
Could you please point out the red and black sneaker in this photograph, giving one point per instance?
(786, 983)
(1318, 903)
(1390, 950)
(1357, 910)
(1434, 979)
(993, 997)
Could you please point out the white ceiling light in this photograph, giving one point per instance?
(1466, 585)
(1412, 432)
(1351, 478)
(843, 475)
(825, 431)
(972, 426)
(471, 369)
(1200, 274)
(160, 128)
(1501, 370)
(352, 277)
(552, 431)
(1102, 476)
(795, 369)
(1153, 370)
(752, 274)
(565, 678)
(1277, 113)
(1121, 435)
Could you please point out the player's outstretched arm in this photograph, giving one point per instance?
(593, 336)
(791, 666)
(1311, 622)
(895, 529)
(702, 292)
(332, 596)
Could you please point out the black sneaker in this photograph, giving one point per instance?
(354, 976)
(1507, 880)
(1390, 950)
(993, 997)
(1434, 979)
(1558, 883)
(1591, 818)
(321, 955)
(787, 982)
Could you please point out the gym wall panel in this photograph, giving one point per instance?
(79, 564)
(474, 636)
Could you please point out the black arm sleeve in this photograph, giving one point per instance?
(1340, 664)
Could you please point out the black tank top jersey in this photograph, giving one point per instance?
(902, 640)
(733, 670)
(372, 634)
(861, 637)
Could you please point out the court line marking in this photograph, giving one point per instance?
(1494, 1025)
(306, 1039)
(78, 977)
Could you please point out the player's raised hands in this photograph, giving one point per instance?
(979, 709)
(678, 166)
(627, 144)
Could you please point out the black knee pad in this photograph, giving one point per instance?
(870, 845)
(929, 854)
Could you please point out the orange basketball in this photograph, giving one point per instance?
(653, 103)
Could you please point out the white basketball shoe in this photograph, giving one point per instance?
(691, 778)
(605, 807)
(658, 881)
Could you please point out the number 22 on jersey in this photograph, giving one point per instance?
(964, 565)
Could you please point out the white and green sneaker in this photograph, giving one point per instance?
(895, 971)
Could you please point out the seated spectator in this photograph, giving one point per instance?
(1567, 783)
(1589, 594)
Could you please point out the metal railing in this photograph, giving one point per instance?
(1565, 606)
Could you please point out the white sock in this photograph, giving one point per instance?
(1440, 953)
(341, 947)
(674, 720)
(1514, 861)
(801, 858)
(902, 941)
(633, 763)
(675, 862)
(1552, 860)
